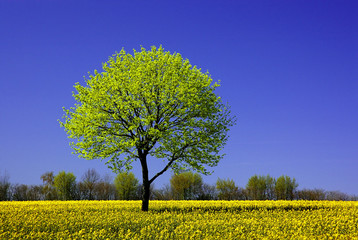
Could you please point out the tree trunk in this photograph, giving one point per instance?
(145, 195)
(146, 185)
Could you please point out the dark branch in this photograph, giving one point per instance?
(113, 133)
(120, 119)
(169, 163)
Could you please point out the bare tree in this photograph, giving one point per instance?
(19, 192)
(4, 187)
(165, 193)
(311, 194)
(337, 196)
(208, 192)
(22, 192)
(34, 193)
(104, 189)
(88, 185)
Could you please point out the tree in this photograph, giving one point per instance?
(208, 192)
(149, 104)
(285, 188)
(261, 187)
(48, 188)
(311, 194)
(227, 189)
(337, 196)
(65, 184)
(256, 187)
(4, 187)
(186, 185)
(165, 193)
(88, 185)
(34, 193)
(19, 192)
(269, 187)
(104, 189)
(22, 192)
(126, 185)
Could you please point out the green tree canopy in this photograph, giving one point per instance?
(285, 187)
(186, 185)
(260, 187)
(227, 189)
(126, 184)
(151, 103)
(65, 184)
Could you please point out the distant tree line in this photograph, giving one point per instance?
(190, 186)
(184, 186)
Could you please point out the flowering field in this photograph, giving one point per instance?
(179, 220)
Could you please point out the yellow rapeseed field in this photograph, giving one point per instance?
(179, 220)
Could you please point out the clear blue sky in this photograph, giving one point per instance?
(289, 70)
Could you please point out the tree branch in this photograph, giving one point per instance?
(122, 121)
(169, 164)
(113, 133)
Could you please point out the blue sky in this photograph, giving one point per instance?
(289, 70)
